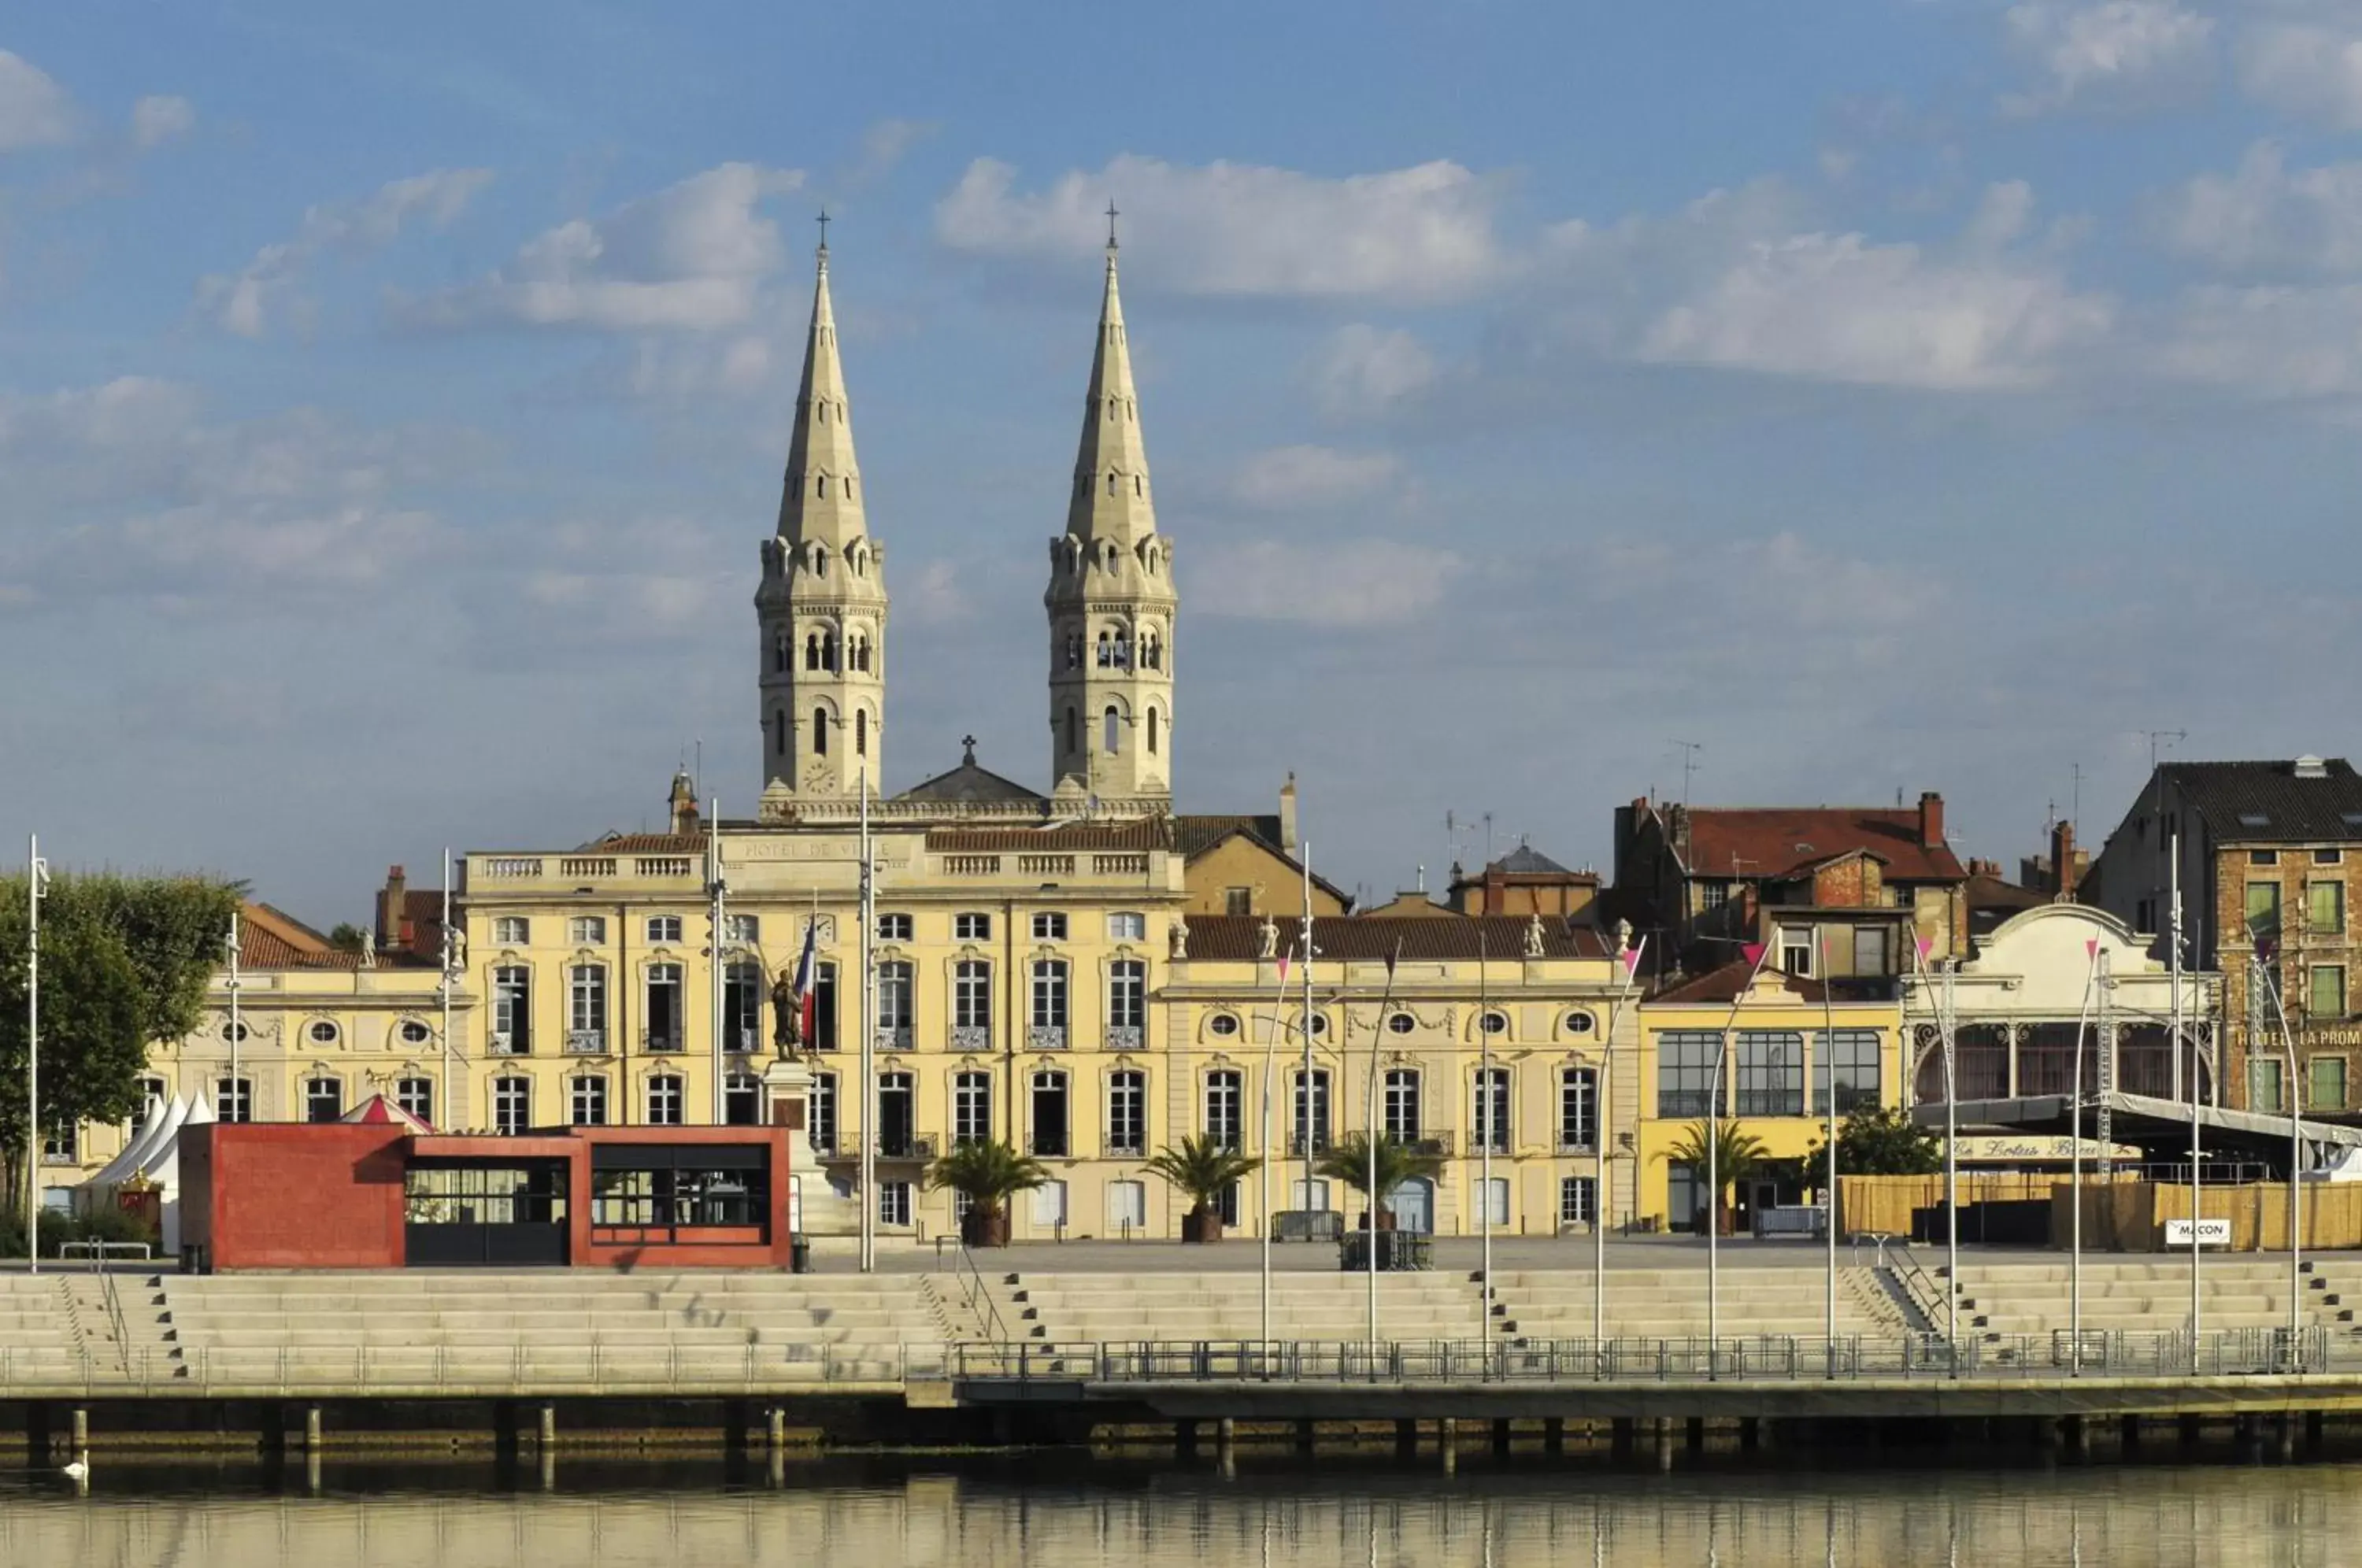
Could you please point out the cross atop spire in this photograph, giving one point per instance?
(822, 496)
(824, 235)
(1112, 217)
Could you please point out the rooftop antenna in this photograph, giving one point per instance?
(1690, 750)
(2075, 811)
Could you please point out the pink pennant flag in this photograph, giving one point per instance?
(1754, 951)
(1926, 945)
(2091, 948)
(1631, 957)
(1283, 964)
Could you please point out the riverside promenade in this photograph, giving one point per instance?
(1052, 1342)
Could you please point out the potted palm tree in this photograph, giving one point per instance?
(1737, 1155)
(1201, 1170)
(1348, 1160)
(988, 1174)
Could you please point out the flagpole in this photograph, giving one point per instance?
(1829, 1198)
(2296, 1170)
(1486, 1132)
(1370, 1135)
(2196, 1306)
(717, 961)
(1269, 1070)
(1713, 1162)
(444, 987)
(2075, 1176)
(1309, 951)
(35, 874)
(1631, 959)
(868, 918)
(236, 984)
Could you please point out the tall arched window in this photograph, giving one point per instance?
(1152, 732)
(820, 731)
(820, 485)
(779, 644)
(811, 650)
(1109, 738)
(861, 732)
(1152, 651)
(779, 734)
(1106, 650)
(828, 652)
(1074, 733)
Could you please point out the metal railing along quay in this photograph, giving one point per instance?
(465, 1371)
(2161, 1356)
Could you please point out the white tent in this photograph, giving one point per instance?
(163, 1122)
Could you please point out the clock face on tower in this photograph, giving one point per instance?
(819, 778)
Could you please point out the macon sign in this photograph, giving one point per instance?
(2211, 1232)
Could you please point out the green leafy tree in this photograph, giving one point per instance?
(1874, 1140)
(124, 966)
(347, 937)
(1348, 1160)
(1738, 1155)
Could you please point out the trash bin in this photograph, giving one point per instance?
(799, 1255)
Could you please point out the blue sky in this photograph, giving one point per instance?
(1891, 394)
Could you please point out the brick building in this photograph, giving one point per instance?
(1838, 892)
(2269, 853)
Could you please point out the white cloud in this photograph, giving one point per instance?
(2117, 54)
(884, 145)
(158, 119)
(938, 597)
(2305, 69)
(1351, 584)
(244, 302)
(34, 110)
(1244, 230)
(1289, 476)
(690, 257)
(1731, 283)
(1364, 369)
(2302, 344)
(140, 494)
(2266, 218)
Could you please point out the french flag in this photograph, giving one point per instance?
(807, 966)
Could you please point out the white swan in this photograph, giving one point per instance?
(78, 1469)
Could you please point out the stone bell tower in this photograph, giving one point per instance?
(1111, 600)
(821, 605)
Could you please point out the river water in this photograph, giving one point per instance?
(1061, 1510)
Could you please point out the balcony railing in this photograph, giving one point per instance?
(663, 866)
(1046, 1037)
(972, 865)
(1124, 1036)
(585, 1042)
(971, 1037)
(1437, 1144)
(916, 1146)
(1319, 1142)
(587, 865)
(1578, 1142)
(660, 1043)
(1477, 1139)
(1120, 865)
(1045, 865)
(1049, 1148)
(1126, 1149)
(510, 1045)
(512, 865)
(893, 1038)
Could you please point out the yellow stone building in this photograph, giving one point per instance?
(1779, 1038)
(1080, 970)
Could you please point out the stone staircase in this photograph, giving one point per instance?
(1671, 1303)
(2148, 1295)
(1189, 1307)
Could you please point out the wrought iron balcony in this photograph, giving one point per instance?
(1125, 1149)
(1478, 1139)
(660, 1045)
(509, 1043)
(1124, 1036)
(971, 1037)
(1046, 1037)
(586, 1042)
(1296, 1143)
(1580, 1143)
(1438, 1143)
(893, 1039)
(915, 1146)
(1056, 1146)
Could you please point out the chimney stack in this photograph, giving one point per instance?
(1287, 816)
(391, 905)
(1931, 820)
(682, 805)
(2064, 872)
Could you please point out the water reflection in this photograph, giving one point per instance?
(1066, 1511)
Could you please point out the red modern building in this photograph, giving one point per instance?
(387, 1195)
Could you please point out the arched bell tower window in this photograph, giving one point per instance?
(861, 732)
(1109, 730)
(811, 650)
(1106, 650)
(820, 731)
(1074, 733)
(1152, 732)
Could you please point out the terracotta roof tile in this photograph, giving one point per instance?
(1343, 938)
(1776, 841)
(1724, 985)
(646, 844)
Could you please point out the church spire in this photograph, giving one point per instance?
(822, 606)
(821, 500)
(1111, 598)
(1111, 497)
